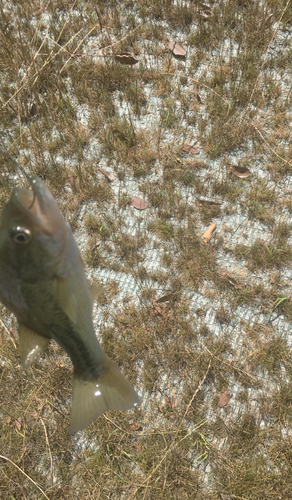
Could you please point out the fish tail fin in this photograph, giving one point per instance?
(91, 398)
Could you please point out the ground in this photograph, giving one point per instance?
(97, 102)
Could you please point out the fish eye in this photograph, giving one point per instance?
(21, 235)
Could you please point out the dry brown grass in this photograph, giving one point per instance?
(194, 344)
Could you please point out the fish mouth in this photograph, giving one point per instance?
(38, 207)
(30, 200)
(24, 197)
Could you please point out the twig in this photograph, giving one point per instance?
(36, 74)
(80, 43)
(98, 17)
(34, 57)
(7, 331)
(269, 147)
(10, 461)
(197, 390)
(19, 167)
(121, 39)
(48, 445)
(229, 364)
(203, 85)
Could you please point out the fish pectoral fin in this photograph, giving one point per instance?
(67, 298)
(31, 344)
(91, 398)
(97, 290)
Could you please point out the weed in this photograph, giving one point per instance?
(260, 255)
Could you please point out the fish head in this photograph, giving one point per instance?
(33, 233)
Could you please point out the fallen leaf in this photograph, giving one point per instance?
(126, 58)
(110, 177)
(33, 110)
(197, 95)
(203, 9)
(139, 203)
(157, 309)
(177, 49)
(18, 423)
(267, 19)
(190, 149)
(165, 298)
(164, 311)
(8, 420)
(208, 234)
(72, 182)
(120, 135)
(231, 280)
(135, 426)
(207, 202)
(224, 398)
(240, 171)
(170, 402)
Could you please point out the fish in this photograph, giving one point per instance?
(43, 282)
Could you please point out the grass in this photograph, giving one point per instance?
(68, 106)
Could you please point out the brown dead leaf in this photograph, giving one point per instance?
(267, 19)
(224, 398)
(60, 363)
(8, 420)
(190, 149)
(165, 298)
(120, 135)
(163, 311)
(231, 280)
(135, 426)
(203, 10)
(157, 309)
(177, 49)
(207, 202)
(109, 176)
(240, 171)
(170, 402)
(208, 234)
(126, 58)
(139, 203)
(17, 423)
(33, 110)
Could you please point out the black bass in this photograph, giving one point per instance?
(43, 283)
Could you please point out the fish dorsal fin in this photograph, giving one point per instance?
(91, 398)
(67, 298)
(31, 344)
(97, 290)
